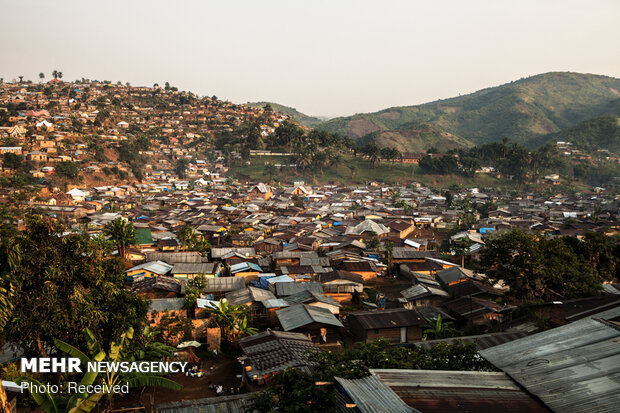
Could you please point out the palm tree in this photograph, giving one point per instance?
(21, 79)
(122, 233)
(59, 75)
(41, 77)
(55, 74)
(372, 151)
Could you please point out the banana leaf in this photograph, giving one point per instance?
(45, 400)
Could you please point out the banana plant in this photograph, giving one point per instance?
(83, 402)
(243, 329)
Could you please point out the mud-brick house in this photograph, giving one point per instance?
(148, 269)
(262, 304)
(166, 307)
(340, 285)
(157, 287)
(291, 258)
(400, 228)
(261, 191)
(366, 269)
(191, 270)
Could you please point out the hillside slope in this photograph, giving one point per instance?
(520, 110)
(598, 133)
(308, 121)
(416, 137)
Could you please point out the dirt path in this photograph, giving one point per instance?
(220, 371)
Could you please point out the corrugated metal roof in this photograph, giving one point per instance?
(272, 351)
(275, 303)
(421, 290)
(244, 266)
(391, 318)
(300, 315)
(163, 304)
(433, 391)
(175, 257)
(573, 368)
(372, 396)
(305, 297)
(156, 267)
(195, 268)
(482, 341)
(218, 252)
(145, 284)
(249, 294)
(224, 284)
(410, 253)
(286, 288)
(226, 404)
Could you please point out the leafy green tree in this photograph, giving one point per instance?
(374, 242)
(122, 233)
(288, 135)
(537, 267)
(355, 362)
(173, 327)
(187, 235)
(180, 167)
(442, 165)
(461, 248)
(67, 169)
(193, 289)
(61, 284)
(294, 391)
(12, 160)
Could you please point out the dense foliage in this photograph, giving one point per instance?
(295, 391)
(355, 362)
(506, 158)
(538, 267)
(592, 134)
(56, 285)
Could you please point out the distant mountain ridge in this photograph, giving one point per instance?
(521, 111)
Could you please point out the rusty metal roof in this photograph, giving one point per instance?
(370, 395)
(391, 318)
(226, 404)
(573, 368)
(432, 391)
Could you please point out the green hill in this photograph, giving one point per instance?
(598, 133)
(416, 137)
(520, 110)
(308, 121)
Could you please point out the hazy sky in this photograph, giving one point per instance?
(322, 57)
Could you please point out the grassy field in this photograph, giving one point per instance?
(351, 171)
